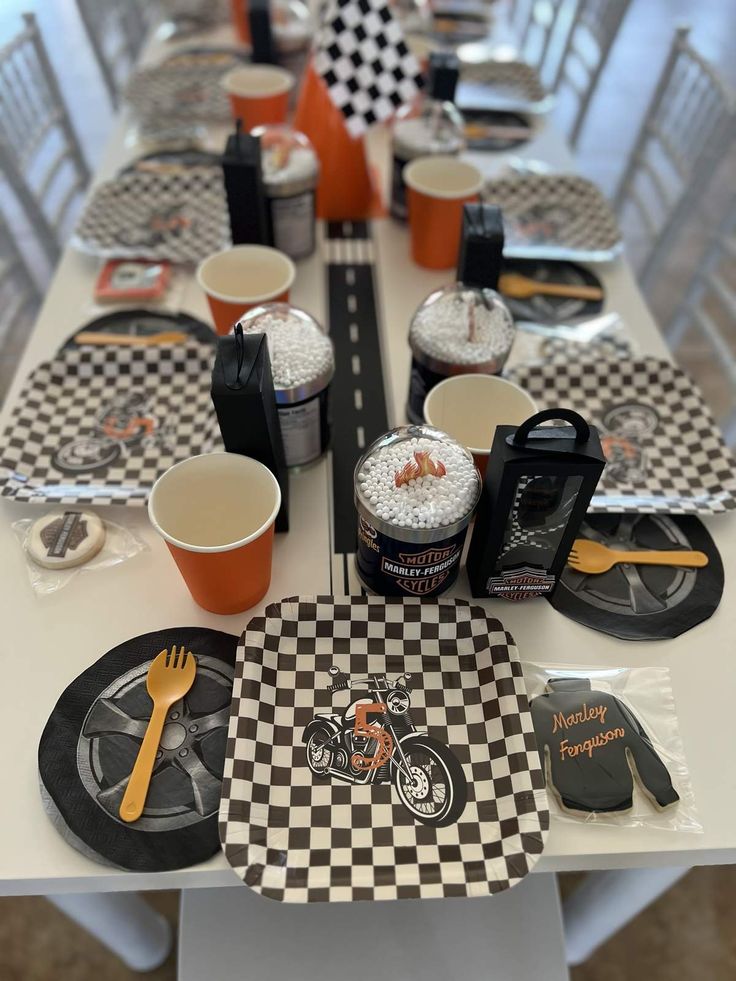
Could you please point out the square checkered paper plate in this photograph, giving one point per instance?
(179, 215)
(443, 795)
(182, 89)
(509, 85)
(664, 450)
(554, 216)
(99, 425)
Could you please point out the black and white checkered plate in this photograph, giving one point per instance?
(510, 85)
(554, 216)
(183, 89)
(99, 424)
(664, 450)
(297, 837)
(179, 215)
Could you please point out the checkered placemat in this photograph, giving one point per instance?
(188, 90)
(361, 54)
(664, 450)
(179, 215)
(554, 216)
(296, 836)
(98, 425)
(514, 83)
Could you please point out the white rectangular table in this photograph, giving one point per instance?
(48, 641)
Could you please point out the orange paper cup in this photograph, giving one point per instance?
(216, 513)
(242, 277)
(469, 407)
(240, 20)
(259, 94)
(437, 190)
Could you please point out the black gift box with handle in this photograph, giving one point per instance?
(536, 492)
(243, 396)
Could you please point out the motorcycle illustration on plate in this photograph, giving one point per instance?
(123, 423)
(625, 426)
(375, 741)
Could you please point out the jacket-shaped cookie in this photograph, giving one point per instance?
(592, 738)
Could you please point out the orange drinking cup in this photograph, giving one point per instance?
(216, 513)
(437, 190)
(242, 277)
(259, 94)
(240, 20)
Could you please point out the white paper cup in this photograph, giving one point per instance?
(242, 277)
(216, 512)
(469, 407)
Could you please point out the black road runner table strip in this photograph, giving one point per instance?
(357, 394)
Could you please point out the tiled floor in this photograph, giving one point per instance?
(688, 934)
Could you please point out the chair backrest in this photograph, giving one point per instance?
(40, 156)
(686, 130)
(709, 306)
(19, 293)
(543, 28)
(116, 30)
(586, 51)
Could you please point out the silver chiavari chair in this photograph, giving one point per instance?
(709, 306)
(19, 293)
(685, 133)
(41, 160)
(543, 29)
(116, 30)
(587, 46)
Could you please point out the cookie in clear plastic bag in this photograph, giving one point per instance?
(59, 544)
(611, 748)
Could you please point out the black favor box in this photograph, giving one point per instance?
(244, 400)
(444, 72)
(263, 50)
(481, 246)
(536, 492)
(246, 198)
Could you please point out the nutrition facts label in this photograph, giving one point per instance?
(300, 432)
(293, 224)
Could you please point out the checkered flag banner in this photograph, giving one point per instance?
(361, 54)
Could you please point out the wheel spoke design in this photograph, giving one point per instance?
(107, 718)
(205, 786)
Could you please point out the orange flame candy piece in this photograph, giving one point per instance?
(421, 466)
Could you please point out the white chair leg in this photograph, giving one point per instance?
(605, 901)
(122, 922)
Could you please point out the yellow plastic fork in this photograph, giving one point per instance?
(593, 558)
(170, 677)
(520, 287)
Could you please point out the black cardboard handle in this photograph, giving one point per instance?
(582, 429)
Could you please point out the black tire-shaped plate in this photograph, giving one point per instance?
(141, 322)
(92, 738)
(643, 602)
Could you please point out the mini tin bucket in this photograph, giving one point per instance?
(392, 560)
(460, 345)
(290, 175)
(302, 392)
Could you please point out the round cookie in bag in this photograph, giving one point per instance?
(65, 539)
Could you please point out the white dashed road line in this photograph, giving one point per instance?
(358, 399)
(360, 436)
(354, 333)
(352, 303)
(356, 364)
